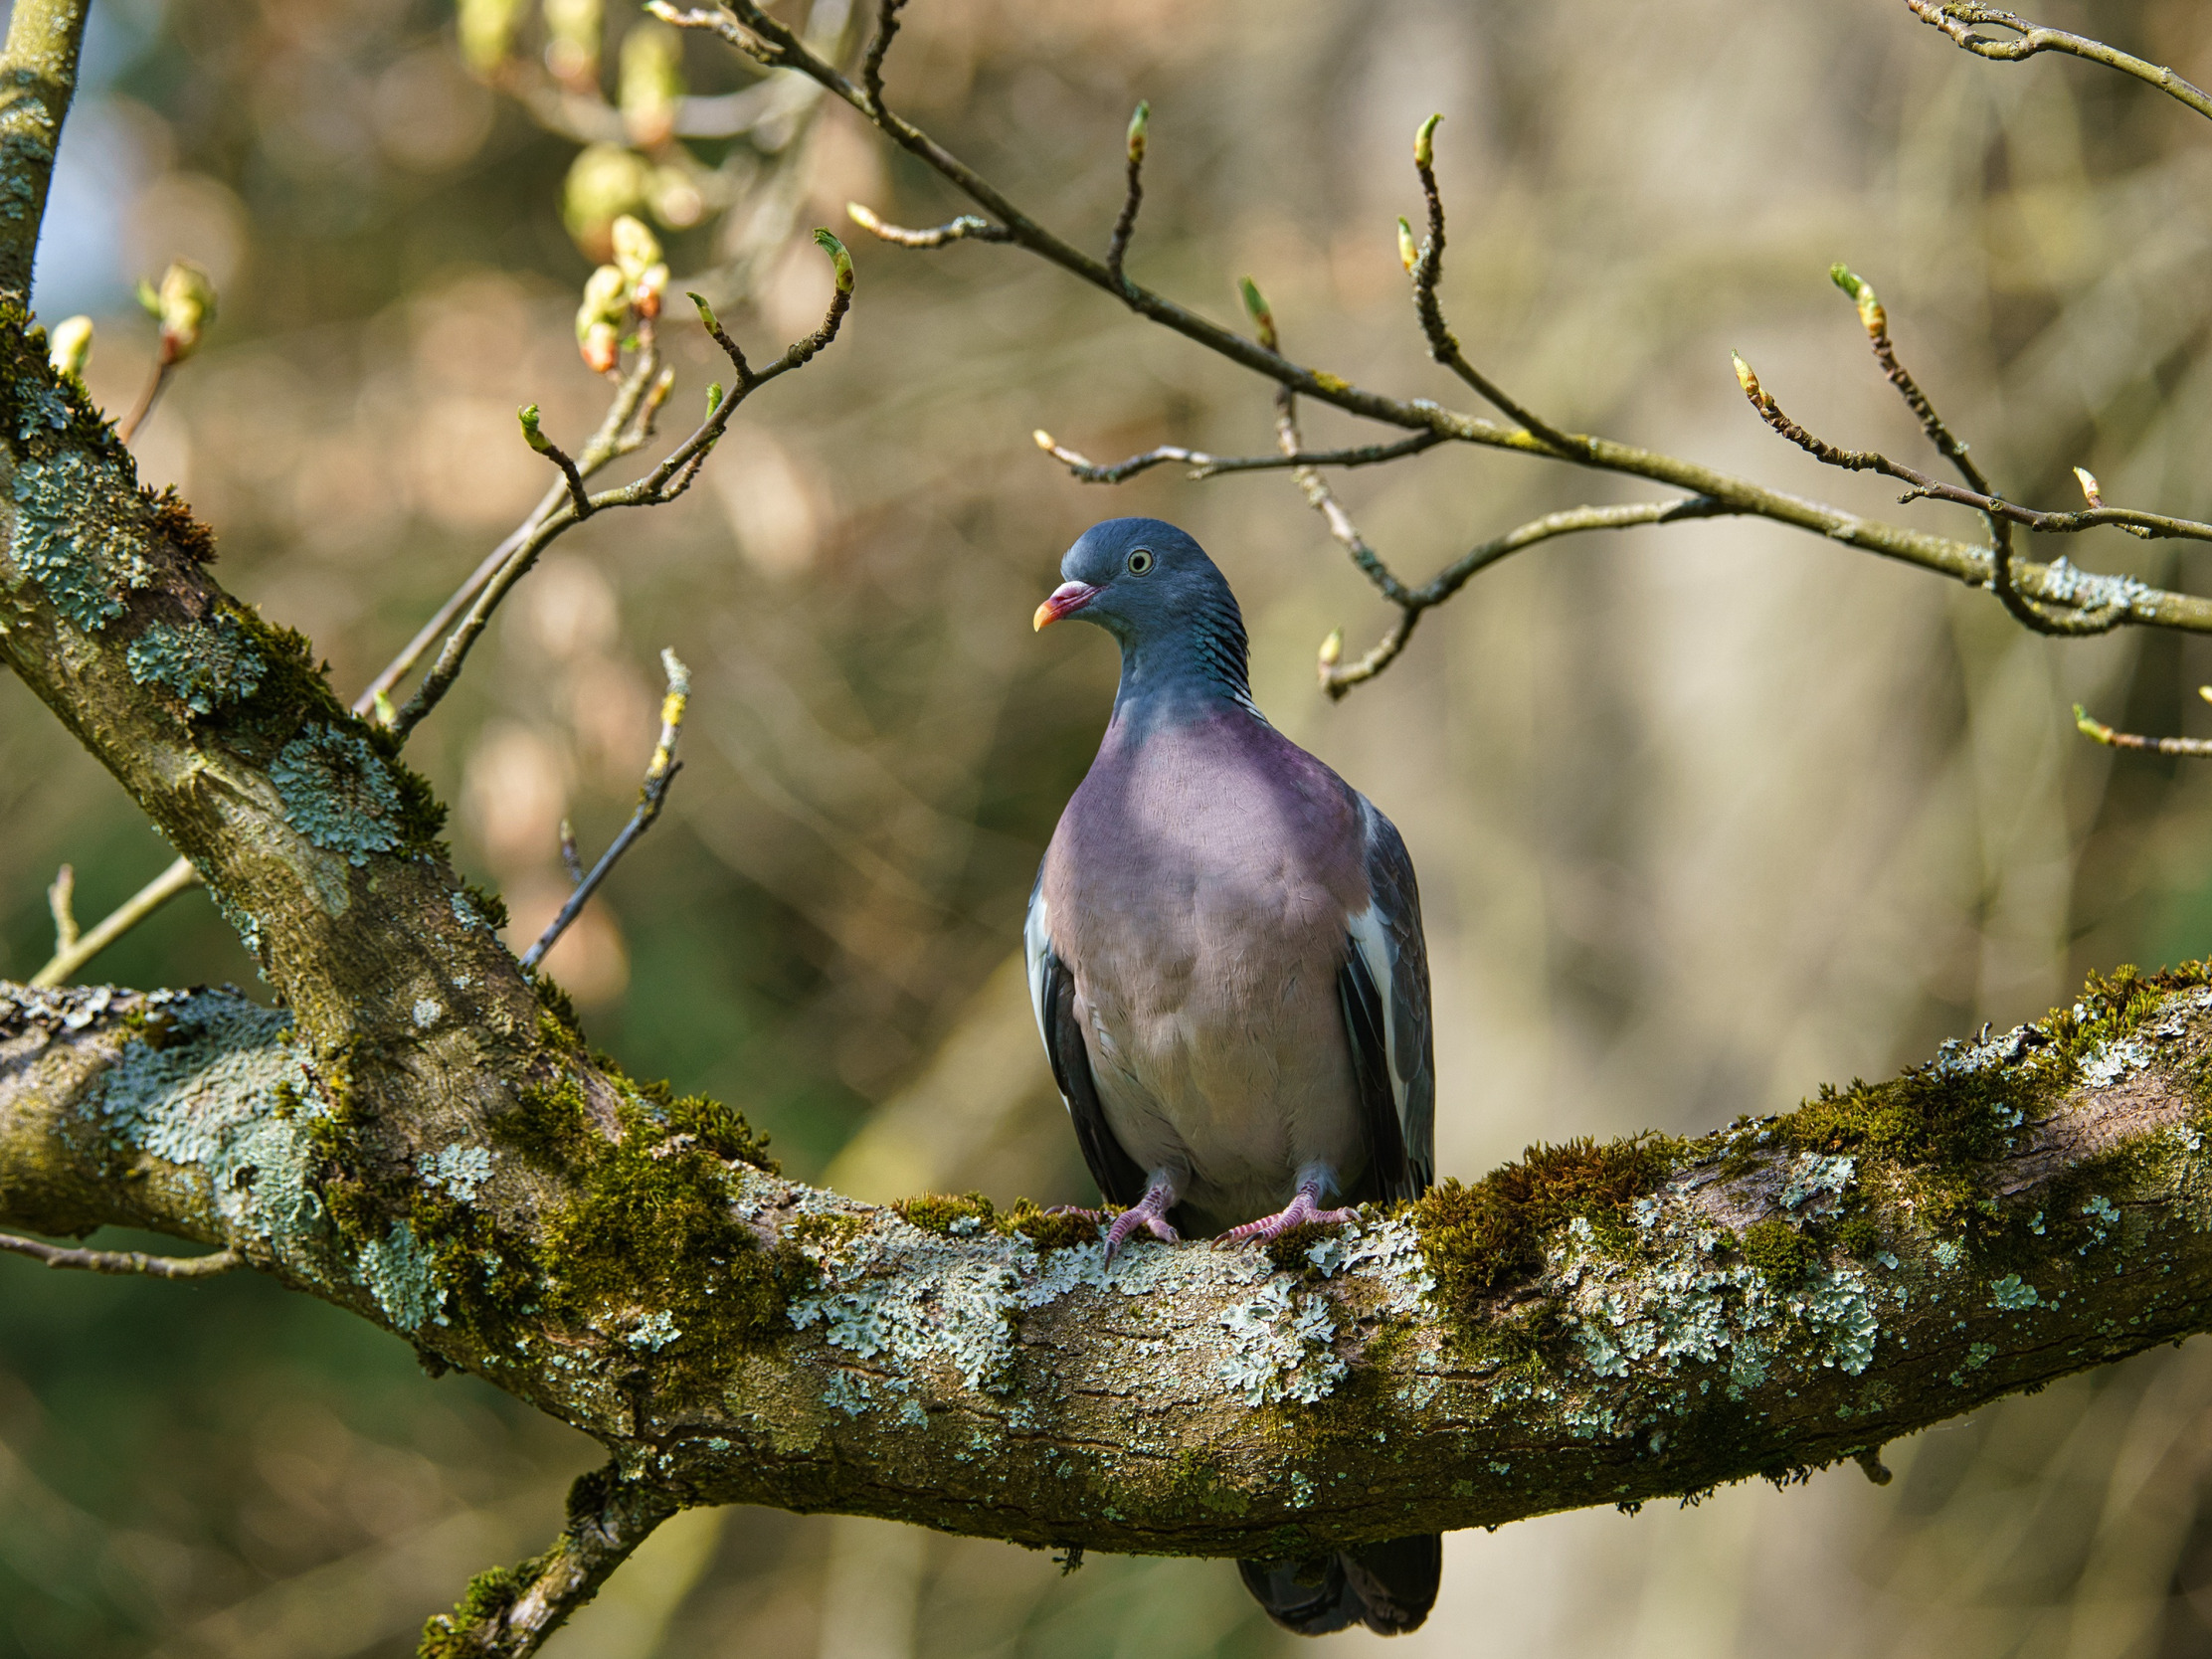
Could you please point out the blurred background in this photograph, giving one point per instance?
(1704, 816)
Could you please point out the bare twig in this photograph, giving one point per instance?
(533, 435)
(1426, 266)
(666, 479)
(1125, 226)
(122, 1261)
(659, 774)
(150, 394)
(967, 227)
(1957, 19)
(60, 902)
(570, 861)
(508, 1612)
(2112, 739)
(1203, 465)
(141, 904)
(871, 66)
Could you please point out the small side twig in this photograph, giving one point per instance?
(879, 48)
(1125, 226)
(508, 1612)
(1957, 20)
(1203, 465)
(150, 394)
(2096, 731)
(967, 225)
(151, 898)
(534, 436)
(1425, 264)
(122, 1261)
(60, 904)
(650, 797)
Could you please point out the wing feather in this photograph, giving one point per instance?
(1053, 997)
(1385, 996)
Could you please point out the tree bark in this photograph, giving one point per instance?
(1680, 1315)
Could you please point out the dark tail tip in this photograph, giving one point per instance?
(1388, 1587)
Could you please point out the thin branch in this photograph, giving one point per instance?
(60, 904)
(669, 478)
(879, 48)
(659, 774)
(122, 1261)
(1203, 465)
(1957, 20)
(508, 1612)
(579, 500)
(1125, 226)
(967, 227)
(127, 428)
(1425, 267)
(2098, 731)
(151, 898)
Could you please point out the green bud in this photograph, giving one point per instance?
(1424, 144)
(1255, 305)
(487, 33)
(148, 301)
(185, 303)
(604, 182)
(652, 82)
(573, 29)
(1137, 125)
(1407, 254)
(637, 250)
(838, 257)
(713, 396)
(69, 346)
(1871, 316)
(529, 416)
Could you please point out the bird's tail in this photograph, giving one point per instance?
(1388, 1587)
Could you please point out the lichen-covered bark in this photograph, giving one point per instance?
(2023, 1208)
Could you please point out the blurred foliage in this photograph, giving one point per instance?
(1704, 816)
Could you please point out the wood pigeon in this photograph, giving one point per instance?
(1226, 958)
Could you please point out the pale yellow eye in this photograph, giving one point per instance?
(1139, 561)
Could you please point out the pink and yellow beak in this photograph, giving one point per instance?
(1067, 599)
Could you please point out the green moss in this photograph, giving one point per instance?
(651, 1228)
(1858, 1235)
(468, 1631)
(1480, 1238)
(1287, 1249)
(556, 1003)
(174, 524)
(943, 1213)
(1778, 1251)
(1195, 1480)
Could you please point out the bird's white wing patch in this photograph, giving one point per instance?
(1036, 945)
(1372, 941)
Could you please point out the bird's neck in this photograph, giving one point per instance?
(1198, 671)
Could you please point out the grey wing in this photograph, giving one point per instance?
(1386, 996)
(1053, 997)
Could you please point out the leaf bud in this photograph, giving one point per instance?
(486, 34)
(1872, 317)
(713, 396)
(651, 83)
(635, 247)
(2090, 491)
(529, 416)
(1332, 651)
(1255, 305)
(185, 303)
(604, 182)
(1408, 255)
(69, 346)
(1747, 380)
(707, 320)
(1137, 125)
(839, 258)
(573, 29)
(1425, 144)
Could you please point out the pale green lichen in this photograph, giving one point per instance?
(458, 1171)
(40, 408)
(339, 794)
(84, 565)
(207, 1092)
(2012, 1292)
(205, 665)
(398, 1273)
(1280, 1346)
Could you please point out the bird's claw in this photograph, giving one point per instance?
(1296, 1214)
(1148, 1215)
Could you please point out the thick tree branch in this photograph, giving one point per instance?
(38, 77)
(1596, 1324)
(1957, 18)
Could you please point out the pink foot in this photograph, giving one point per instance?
(1297, 1213)
(1149, 1213)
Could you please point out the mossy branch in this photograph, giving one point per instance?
(1595, 1324)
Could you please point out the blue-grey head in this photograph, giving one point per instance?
(1153, 588)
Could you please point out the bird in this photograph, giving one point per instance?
(1226, 964)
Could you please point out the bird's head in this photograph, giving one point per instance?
(1139, 579)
